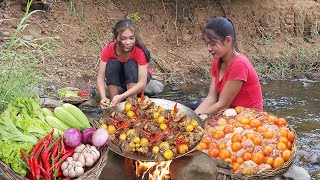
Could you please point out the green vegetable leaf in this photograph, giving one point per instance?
(10, 132)
(10, 154)
(64, 93)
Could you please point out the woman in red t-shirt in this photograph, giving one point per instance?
(234, 80)
(123, 63)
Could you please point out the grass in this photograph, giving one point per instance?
(294, 63)
(21, 62)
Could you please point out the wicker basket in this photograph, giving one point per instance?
(224, 174)
(92, 173)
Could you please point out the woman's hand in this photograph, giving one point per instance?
(117, 99)
(105, 103)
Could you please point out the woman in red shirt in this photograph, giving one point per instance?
(234, 80)
(123, 63)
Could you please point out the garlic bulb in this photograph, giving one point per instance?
(71, 168)
(86, 154)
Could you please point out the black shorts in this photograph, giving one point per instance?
(120, 74)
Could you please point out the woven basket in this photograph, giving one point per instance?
(267, 174)
(92, 173)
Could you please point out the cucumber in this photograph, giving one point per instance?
(56, 123)
(67, 118)
(47, 112)
(78, 114)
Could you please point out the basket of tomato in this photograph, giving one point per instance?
(255, 143)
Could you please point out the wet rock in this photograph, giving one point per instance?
(196, 165)
(309, 157)
(91, 108)
(39, 92)
(117, 167)
(90, 103)
(296, 173)
(72, 88)
(47, 102)
(154, 87)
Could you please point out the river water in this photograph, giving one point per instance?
(298, 101)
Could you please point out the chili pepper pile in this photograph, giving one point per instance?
(46, 157)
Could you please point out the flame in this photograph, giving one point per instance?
(160, 170)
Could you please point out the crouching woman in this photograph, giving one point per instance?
(123, 64)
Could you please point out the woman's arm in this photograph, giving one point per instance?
(101, 82)
(211, 98)
(141, 85)
(229, 92)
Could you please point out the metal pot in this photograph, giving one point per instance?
(166, 104)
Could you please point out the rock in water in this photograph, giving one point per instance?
(154, 87)
(296, 173)
(194, 166)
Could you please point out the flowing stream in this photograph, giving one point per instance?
(297, 101)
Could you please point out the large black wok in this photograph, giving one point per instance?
(166, 104)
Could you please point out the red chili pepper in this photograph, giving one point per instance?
(169, 129)
(136, 107)
(147, 133)
(37, 147)
(55, 149)
(175, 108)
(62, 147)
(181, 141)
(40, 143)
(114, 120)
(158, 137)
(170, 119)
(56, 167)
(44, 172)
(36, 168)
(142, 96)
(25, 157)
(125, 124)
(32, 168)
(136, 115)
(67, 178)
(56, 159)
(49, 136)
(37, 152)
(45, 158)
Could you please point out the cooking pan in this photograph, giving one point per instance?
(166, 104)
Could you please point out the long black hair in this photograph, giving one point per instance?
(217, 29)
(123, 25)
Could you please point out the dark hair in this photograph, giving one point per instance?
(123, 25)
(219, 28)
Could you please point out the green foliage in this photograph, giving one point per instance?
(20, 63)
(294, 63)
(134, 17)
(21, 125)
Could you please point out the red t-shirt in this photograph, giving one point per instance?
(250, 94)
(108, 52)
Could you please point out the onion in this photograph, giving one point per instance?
(99, 137)
(72, 137)
(86, 135)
